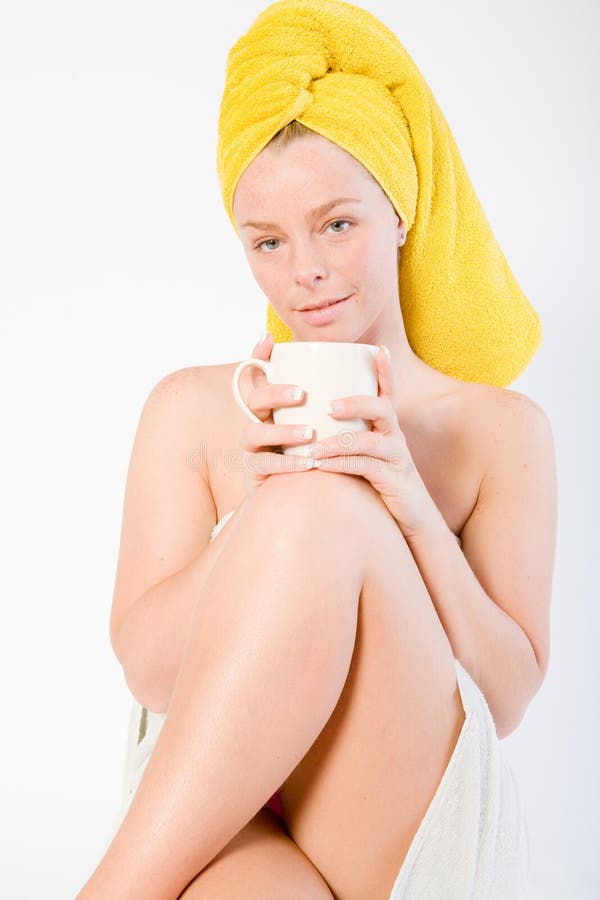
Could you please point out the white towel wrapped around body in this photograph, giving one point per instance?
(472, 843)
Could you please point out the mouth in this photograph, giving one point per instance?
(325, 311)
(321, 304)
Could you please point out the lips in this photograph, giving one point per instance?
(327, 313)
(321, 304)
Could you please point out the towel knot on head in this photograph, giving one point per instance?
(317, 66)
(343, 74)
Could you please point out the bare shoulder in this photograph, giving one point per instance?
(198, 406)
(189, 378)
(503, 418)
(194, 391)
(185, 382)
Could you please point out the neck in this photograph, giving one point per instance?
(417, 382)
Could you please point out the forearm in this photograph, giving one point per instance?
(490, 645)
(151, 638)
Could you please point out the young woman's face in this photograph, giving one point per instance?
(303, 249)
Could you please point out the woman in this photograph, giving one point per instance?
(336, 697)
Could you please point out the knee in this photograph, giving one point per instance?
(318, 500)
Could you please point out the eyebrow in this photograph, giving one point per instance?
(313, 214)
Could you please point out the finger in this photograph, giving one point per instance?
(252, 377)
(385, 374)
(262, 349)
(375, 469)
(265, 397)
(348, 443)
(256, 435)
(361, 466)
(378, 410)
(267, 463)
(390, 449)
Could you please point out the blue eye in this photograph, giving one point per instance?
(339, 222)
(262, 244)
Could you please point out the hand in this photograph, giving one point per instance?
(380, 455)
(260, 464)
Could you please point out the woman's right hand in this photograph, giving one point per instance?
(260, 463)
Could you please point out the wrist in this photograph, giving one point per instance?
(431, 526)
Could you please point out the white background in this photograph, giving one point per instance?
(118, 265)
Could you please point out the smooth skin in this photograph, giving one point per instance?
(261, 861)
(320, 666)
(280, 646)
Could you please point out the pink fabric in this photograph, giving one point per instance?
(275, 804)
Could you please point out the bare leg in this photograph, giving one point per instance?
(260, 862)
(263, 670)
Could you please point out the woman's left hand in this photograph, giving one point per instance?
(380, 455)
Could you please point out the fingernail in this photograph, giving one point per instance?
(263, 339)
(386, 351)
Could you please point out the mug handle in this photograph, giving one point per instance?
(235, 383)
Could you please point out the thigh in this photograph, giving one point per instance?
(260, 861)
(356, 799)
(213, 549)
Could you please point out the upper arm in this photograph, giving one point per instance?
(168, 511)
(510, 538)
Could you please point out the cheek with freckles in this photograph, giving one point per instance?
(269, 278)
(381, 272)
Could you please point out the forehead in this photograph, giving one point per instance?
(304, 169)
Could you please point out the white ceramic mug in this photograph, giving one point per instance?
(326, 370)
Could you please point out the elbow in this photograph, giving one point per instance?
(143, 691)
(504, 728)
(119, 638)
(139, 675)
(509, 721)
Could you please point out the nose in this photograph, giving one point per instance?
(308, 265)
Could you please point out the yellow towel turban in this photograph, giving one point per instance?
(340, 72)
